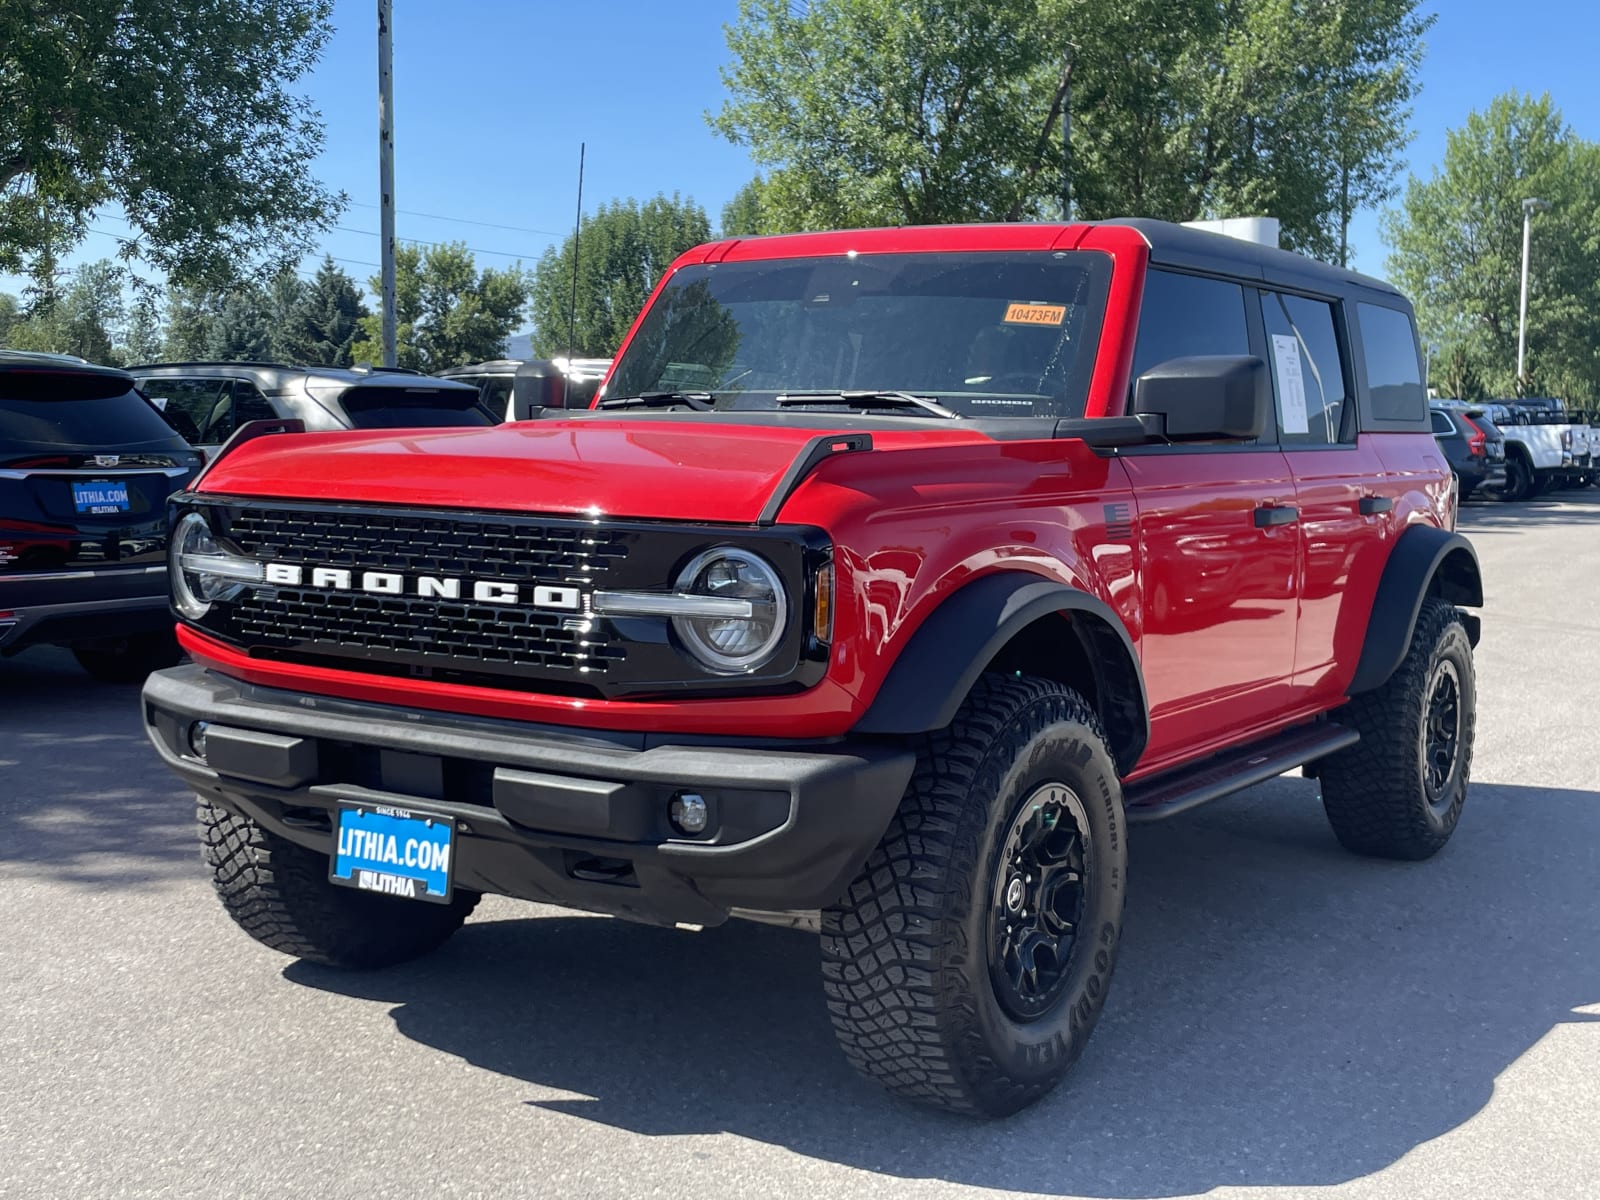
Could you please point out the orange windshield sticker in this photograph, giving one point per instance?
(1036, 314)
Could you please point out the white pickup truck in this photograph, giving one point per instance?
(1546, 446)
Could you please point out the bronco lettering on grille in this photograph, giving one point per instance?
(393, 583)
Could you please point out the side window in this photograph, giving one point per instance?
(188, 402)
(1307, 370)
(496, 393)
(1442, 426)
(1394, 369)
(1184, 315)
(249, 404)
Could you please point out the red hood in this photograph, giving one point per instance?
(652, 469)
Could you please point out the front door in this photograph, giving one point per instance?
(1219, 546)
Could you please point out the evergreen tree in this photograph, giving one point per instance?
(327, 321)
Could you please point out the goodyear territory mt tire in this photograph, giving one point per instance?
(968, 962)
(278, 892)
(1398, 792)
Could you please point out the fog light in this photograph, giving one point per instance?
(689, 813)
(197, 738)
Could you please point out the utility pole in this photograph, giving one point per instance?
(1066, 135)
(1529, 207)
(386, 171)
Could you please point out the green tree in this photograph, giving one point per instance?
(282, 300)
(624, 248)
(879, 112)
(325, 325)
(191, 311)
(1456, 245)
(242, 328)
(10, 314)
(447, 312)
(85, 318)
(743, 216)
(183, 113)
(141, 339)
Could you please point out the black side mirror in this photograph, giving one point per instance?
(538, 384)
(1213, 397)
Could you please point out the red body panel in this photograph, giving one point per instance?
(1240, 629)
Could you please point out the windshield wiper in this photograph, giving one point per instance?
(869, 399)
(698, 401)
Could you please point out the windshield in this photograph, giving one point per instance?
(983, 334)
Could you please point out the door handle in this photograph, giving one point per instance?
(1276, 515)
(1371, 506)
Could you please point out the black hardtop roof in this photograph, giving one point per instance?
(32, 360)
(1200, 249)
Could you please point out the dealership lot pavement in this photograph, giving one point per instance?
(1285, 1017)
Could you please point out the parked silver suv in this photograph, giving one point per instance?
(207, 401)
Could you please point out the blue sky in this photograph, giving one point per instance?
(494, 96)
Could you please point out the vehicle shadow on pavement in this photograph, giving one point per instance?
(83, 797)
(1284, 1014)
(1573, 507)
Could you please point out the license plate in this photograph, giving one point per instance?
(393, 851)
(100, 497)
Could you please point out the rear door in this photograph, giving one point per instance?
(1219, 543)
(86, 466)
(1345, 489)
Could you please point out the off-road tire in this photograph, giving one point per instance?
(128, 659)
(1519, 477)
(906, 953)
(278, 892)
(1376, 793)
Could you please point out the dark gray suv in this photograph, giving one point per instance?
(207, 401)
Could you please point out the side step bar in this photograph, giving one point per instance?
(1232, 771)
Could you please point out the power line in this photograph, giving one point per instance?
(465, 221)
(430, 245)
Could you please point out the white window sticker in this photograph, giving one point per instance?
(1291, 384)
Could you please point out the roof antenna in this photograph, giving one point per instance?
(577, 233)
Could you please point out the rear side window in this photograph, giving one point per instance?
(55, 410)
(1394, 369)
(188, 404)
(1442, 426)
(412, 408)
(1185, 315)
(1307, 370)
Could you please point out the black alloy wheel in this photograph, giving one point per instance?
(1038, 901)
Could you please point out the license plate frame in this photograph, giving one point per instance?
(371, 851)
(101, 497)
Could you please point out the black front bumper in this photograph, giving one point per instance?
(561, 816)
(62, 607)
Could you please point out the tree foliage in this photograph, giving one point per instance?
(84, 318)
(447, 312)
(743, 216)
(326, 323)
(623, 250)
(884, 112)
(182, 113)
(1457, 250)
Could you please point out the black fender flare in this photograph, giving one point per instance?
(949, 651)
(1426, 561)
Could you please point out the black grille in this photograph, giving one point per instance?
(427, 632)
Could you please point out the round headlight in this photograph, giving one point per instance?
(732, 644)
(191, 536)
(202, 571)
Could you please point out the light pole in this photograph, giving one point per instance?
(1529, 207)
(386, 321)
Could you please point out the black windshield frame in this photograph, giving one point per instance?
(926, 323)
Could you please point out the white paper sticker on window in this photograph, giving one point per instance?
(1291, 384)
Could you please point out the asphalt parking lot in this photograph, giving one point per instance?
(1285, 1017)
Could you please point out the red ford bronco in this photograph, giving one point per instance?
(892, 576)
